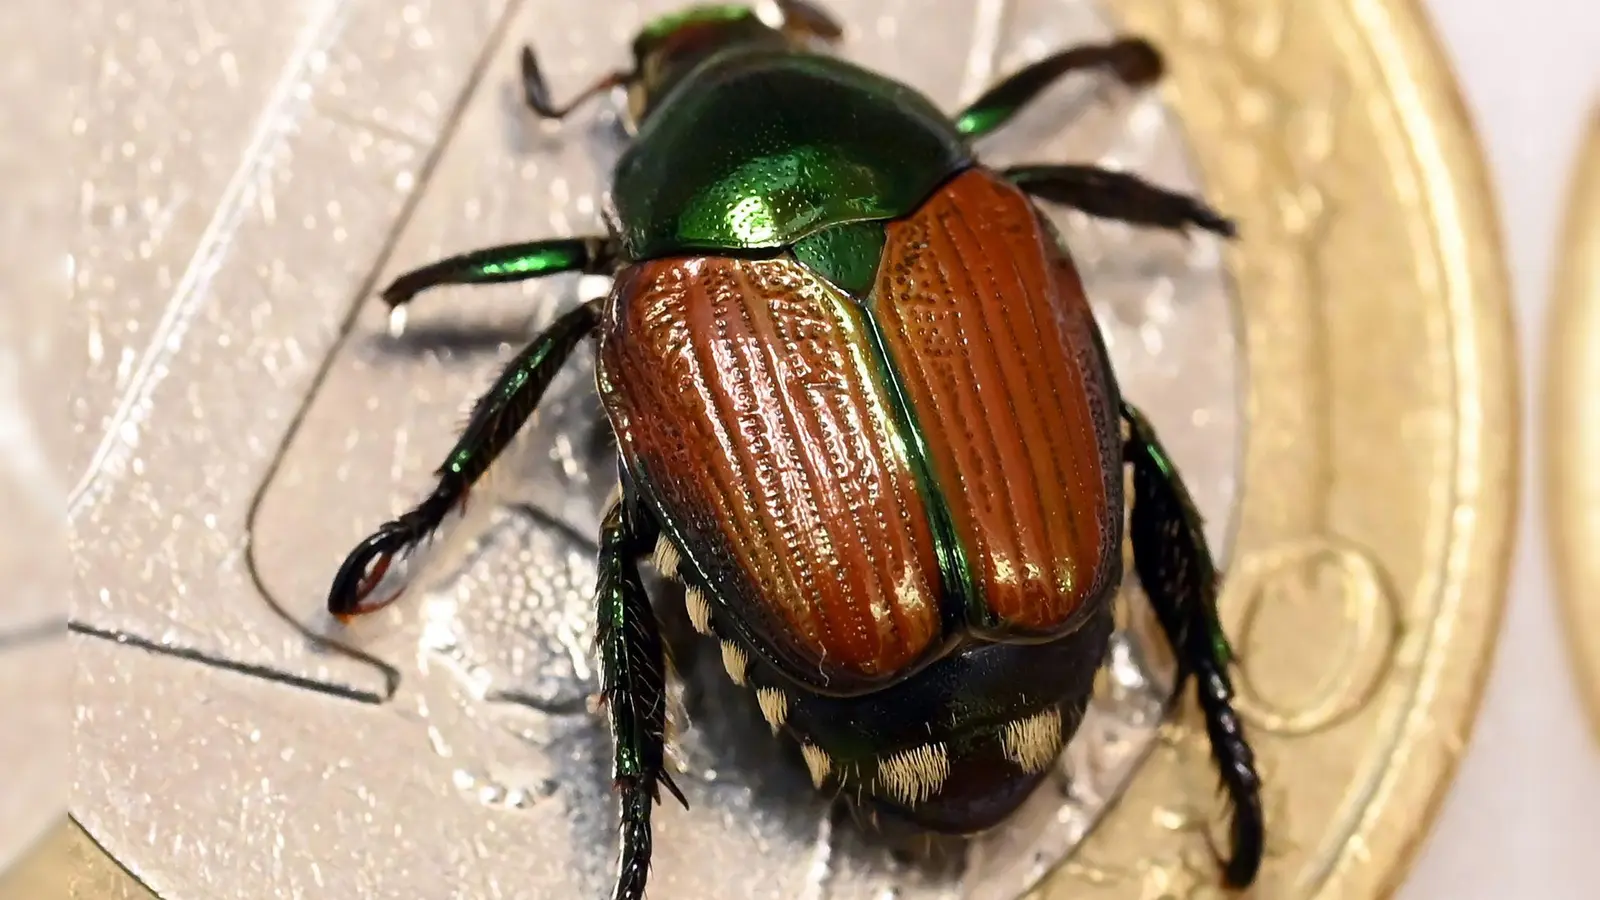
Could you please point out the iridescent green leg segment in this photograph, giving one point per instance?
(511, 262)
(1175, 568)
(633, 686)
(1133, 61)
(494, 421)
(1118, 196)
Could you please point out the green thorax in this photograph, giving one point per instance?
(759, 148)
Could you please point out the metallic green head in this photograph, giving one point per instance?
(745, 138)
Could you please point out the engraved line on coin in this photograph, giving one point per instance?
(98, 868)
(32, 633)
(587, 544)
(413, 200)
(280, 117)
(546, 519)
(228, 665)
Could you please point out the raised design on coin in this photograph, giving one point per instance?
(1356, 619)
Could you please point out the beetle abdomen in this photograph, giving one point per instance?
(986, 322)
(750, 408)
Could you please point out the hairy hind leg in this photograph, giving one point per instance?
(633, 672)
(1175, 568)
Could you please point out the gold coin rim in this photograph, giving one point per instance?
(68, 858)
(1482, 587)
(1417, 792)
(1572, 425)
(1448, 188)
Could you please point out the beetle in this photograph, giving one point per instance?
(864, 414)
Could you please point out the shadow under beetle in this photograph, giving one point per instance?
(865, 415)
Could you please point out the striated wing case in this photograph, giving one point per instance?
(986, 323)
(855, 480)
(753, 413)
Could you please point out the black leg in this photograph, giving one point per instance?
(1119, 196)
(1133, 61)
(494, 421)
(1175, 568)
(537, 94)
(633, 686)
(511, 262)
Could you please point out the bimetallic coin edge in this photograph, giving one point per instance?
(1455, 194)
(1571, 426)
(1489, 467)
(69, 863)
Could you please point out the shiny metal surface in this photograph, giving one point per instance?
(248, 413)
(36, 276)
(34, 680)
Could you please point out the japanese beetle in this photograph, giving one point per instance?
(864, 414)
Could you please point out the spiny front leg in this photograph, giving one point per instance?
(633, 686)
(1134, 62)
(1118, 196)
(507, 263)
(495, 420)
(1175, 568)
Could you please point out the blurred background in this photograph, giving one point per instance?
(1522, 815)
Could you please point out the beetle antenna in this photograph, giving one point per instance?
(809, 20)
(537, 94)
